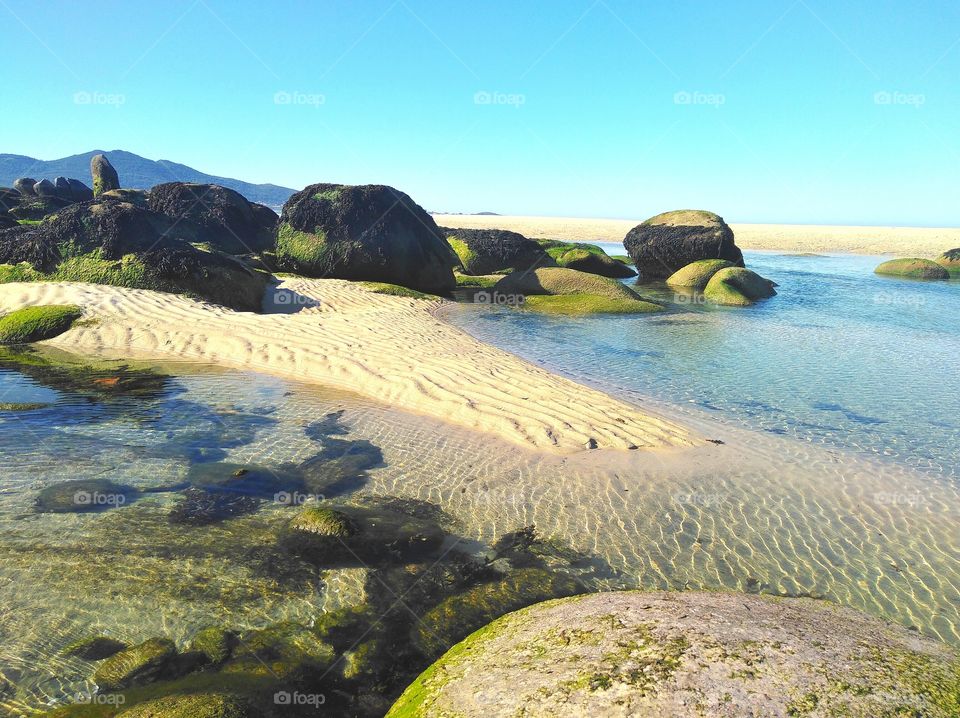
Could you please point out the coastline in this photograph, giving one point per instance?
(392, 349)
(903, 241)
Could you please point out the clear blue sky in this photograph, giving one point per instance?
(782, 121)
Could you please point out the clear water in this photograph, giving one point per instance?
(840, 357)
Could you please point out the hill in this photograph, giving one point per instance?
(135, 171)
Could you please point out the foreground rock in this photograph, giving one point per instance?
(688, 654)
(104, 175)
(486, 251)
(696, 274)
(950, 260)
(737, 287)
(229, 220)
(135, 665)
(567, 291)
(913, 268)
(663, 244)
(586, 258)
(364, 232)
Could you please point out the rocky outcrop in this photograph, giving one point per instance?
(585, 258)
(105, 177)
(24, 185)
(914, 268)
(690, 654)
(232, 224)
(663, 244)
(486, 251)
(737, 287)
(366, 232)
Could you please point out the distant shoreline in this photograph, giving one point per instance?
(902, 241)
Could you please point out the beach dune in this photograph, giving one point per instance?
(392, 349)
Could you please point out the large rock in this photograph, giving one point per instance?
(950, 260)
(45, 188)
(914, 268)
(696, 274)
(366, 232)
(63, 189)
(105, 177)
(485, 251)
(232, 225)
(686, 654)
(78, 190)
(585, 258)
(111, 242)
(24, 185)
(737, 287)
(665, 243)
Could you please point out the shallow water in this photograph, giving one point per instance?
(762, 512)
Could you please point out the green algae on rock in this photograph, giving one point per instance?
(585, 304)
(94, 648)
(587, 258)
(214, 643)
(33, 324)
(324, 521)
(688, 654)
(487, 251)
(696, 274)
(950, 260)
(913, 268)
(395, 290)
(138, 664)
(202, 705)
(737, 287)
(568, 291)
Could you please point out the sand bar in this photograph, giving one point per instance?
(392, 349)
(903, 241)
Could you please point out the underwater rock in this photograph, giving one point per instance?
(135, 665)
(737, 287)
(200, 507)
(214, 643)
(915, 268)
(243, 480)
(461, 614)
(82, 495)
(202, 705)
(324, 522)
(695, 275)
(94, 648)
(284, 651)
(690, 654)
(340, 466)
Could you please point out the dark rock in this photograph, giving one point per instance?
(214, 643)
(366, 232)
(104, 175)
(200, 508)
(585, 258)
(137, 197)
(200, 705)
(135, 665)
(7, 221)
(9, 199)
(94, 648)
(63, 189)
(45, 188)
(231, 222)
(35, 208)
(485, 251)
(24, 185)
(672, 240)
(83, 495)
(79, 191)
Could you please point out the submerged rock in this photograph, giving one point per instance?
(663, 244)
(201, 705)
(84, 495)
(324, 521)
(199, 507)
(737, 287)
(586, 258)
(214, 643)
(688, 654)
(282, 651)
(94, 648)
(486, 251)
(135, 665)
(695, 275)
(915, 268)
(366, 232)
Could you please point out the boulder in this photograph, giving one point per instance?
(324, 522)
(111, 242)
(214, 643)
(45, 188)
(556, 290)
(135, 665)
(663, 244)
(914, 268)
(485, 251)
(94, 648)
(24, 185)
(63, 189)
(950, 260)
(586, 258)
(685, 654)
(696, 274)
(82, 495)
(365, 232)
(79, 192)
(231, 223)
(737, 287)
(104, 175)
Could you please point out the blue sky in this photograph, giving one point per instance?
(807, 111)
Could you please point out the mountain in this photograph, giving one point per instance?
(135, 172)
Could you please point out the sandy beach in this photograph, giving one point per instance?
(902, 241)
(388, 348)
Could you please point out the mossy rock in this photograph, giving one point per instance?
(558, 281)
(33, 324)
(950, 260)
(696, 274)
(460, 614)
(82, 495)
(622, 258)
(737, 287)
(586, 258)
(205, 705)
(486, 251)
(480, 281)
(324, 521)
(688, 654)
(670, 241)
(586, 304)
(135, 665)
(285, 651)
(214, 643)
(913, 268)
(395, 290)
(365, 662)
(94, 648)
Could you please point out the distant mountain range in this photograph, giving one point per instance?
(135, 172)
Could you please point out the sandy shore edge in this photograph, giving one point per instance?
(392, 349)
